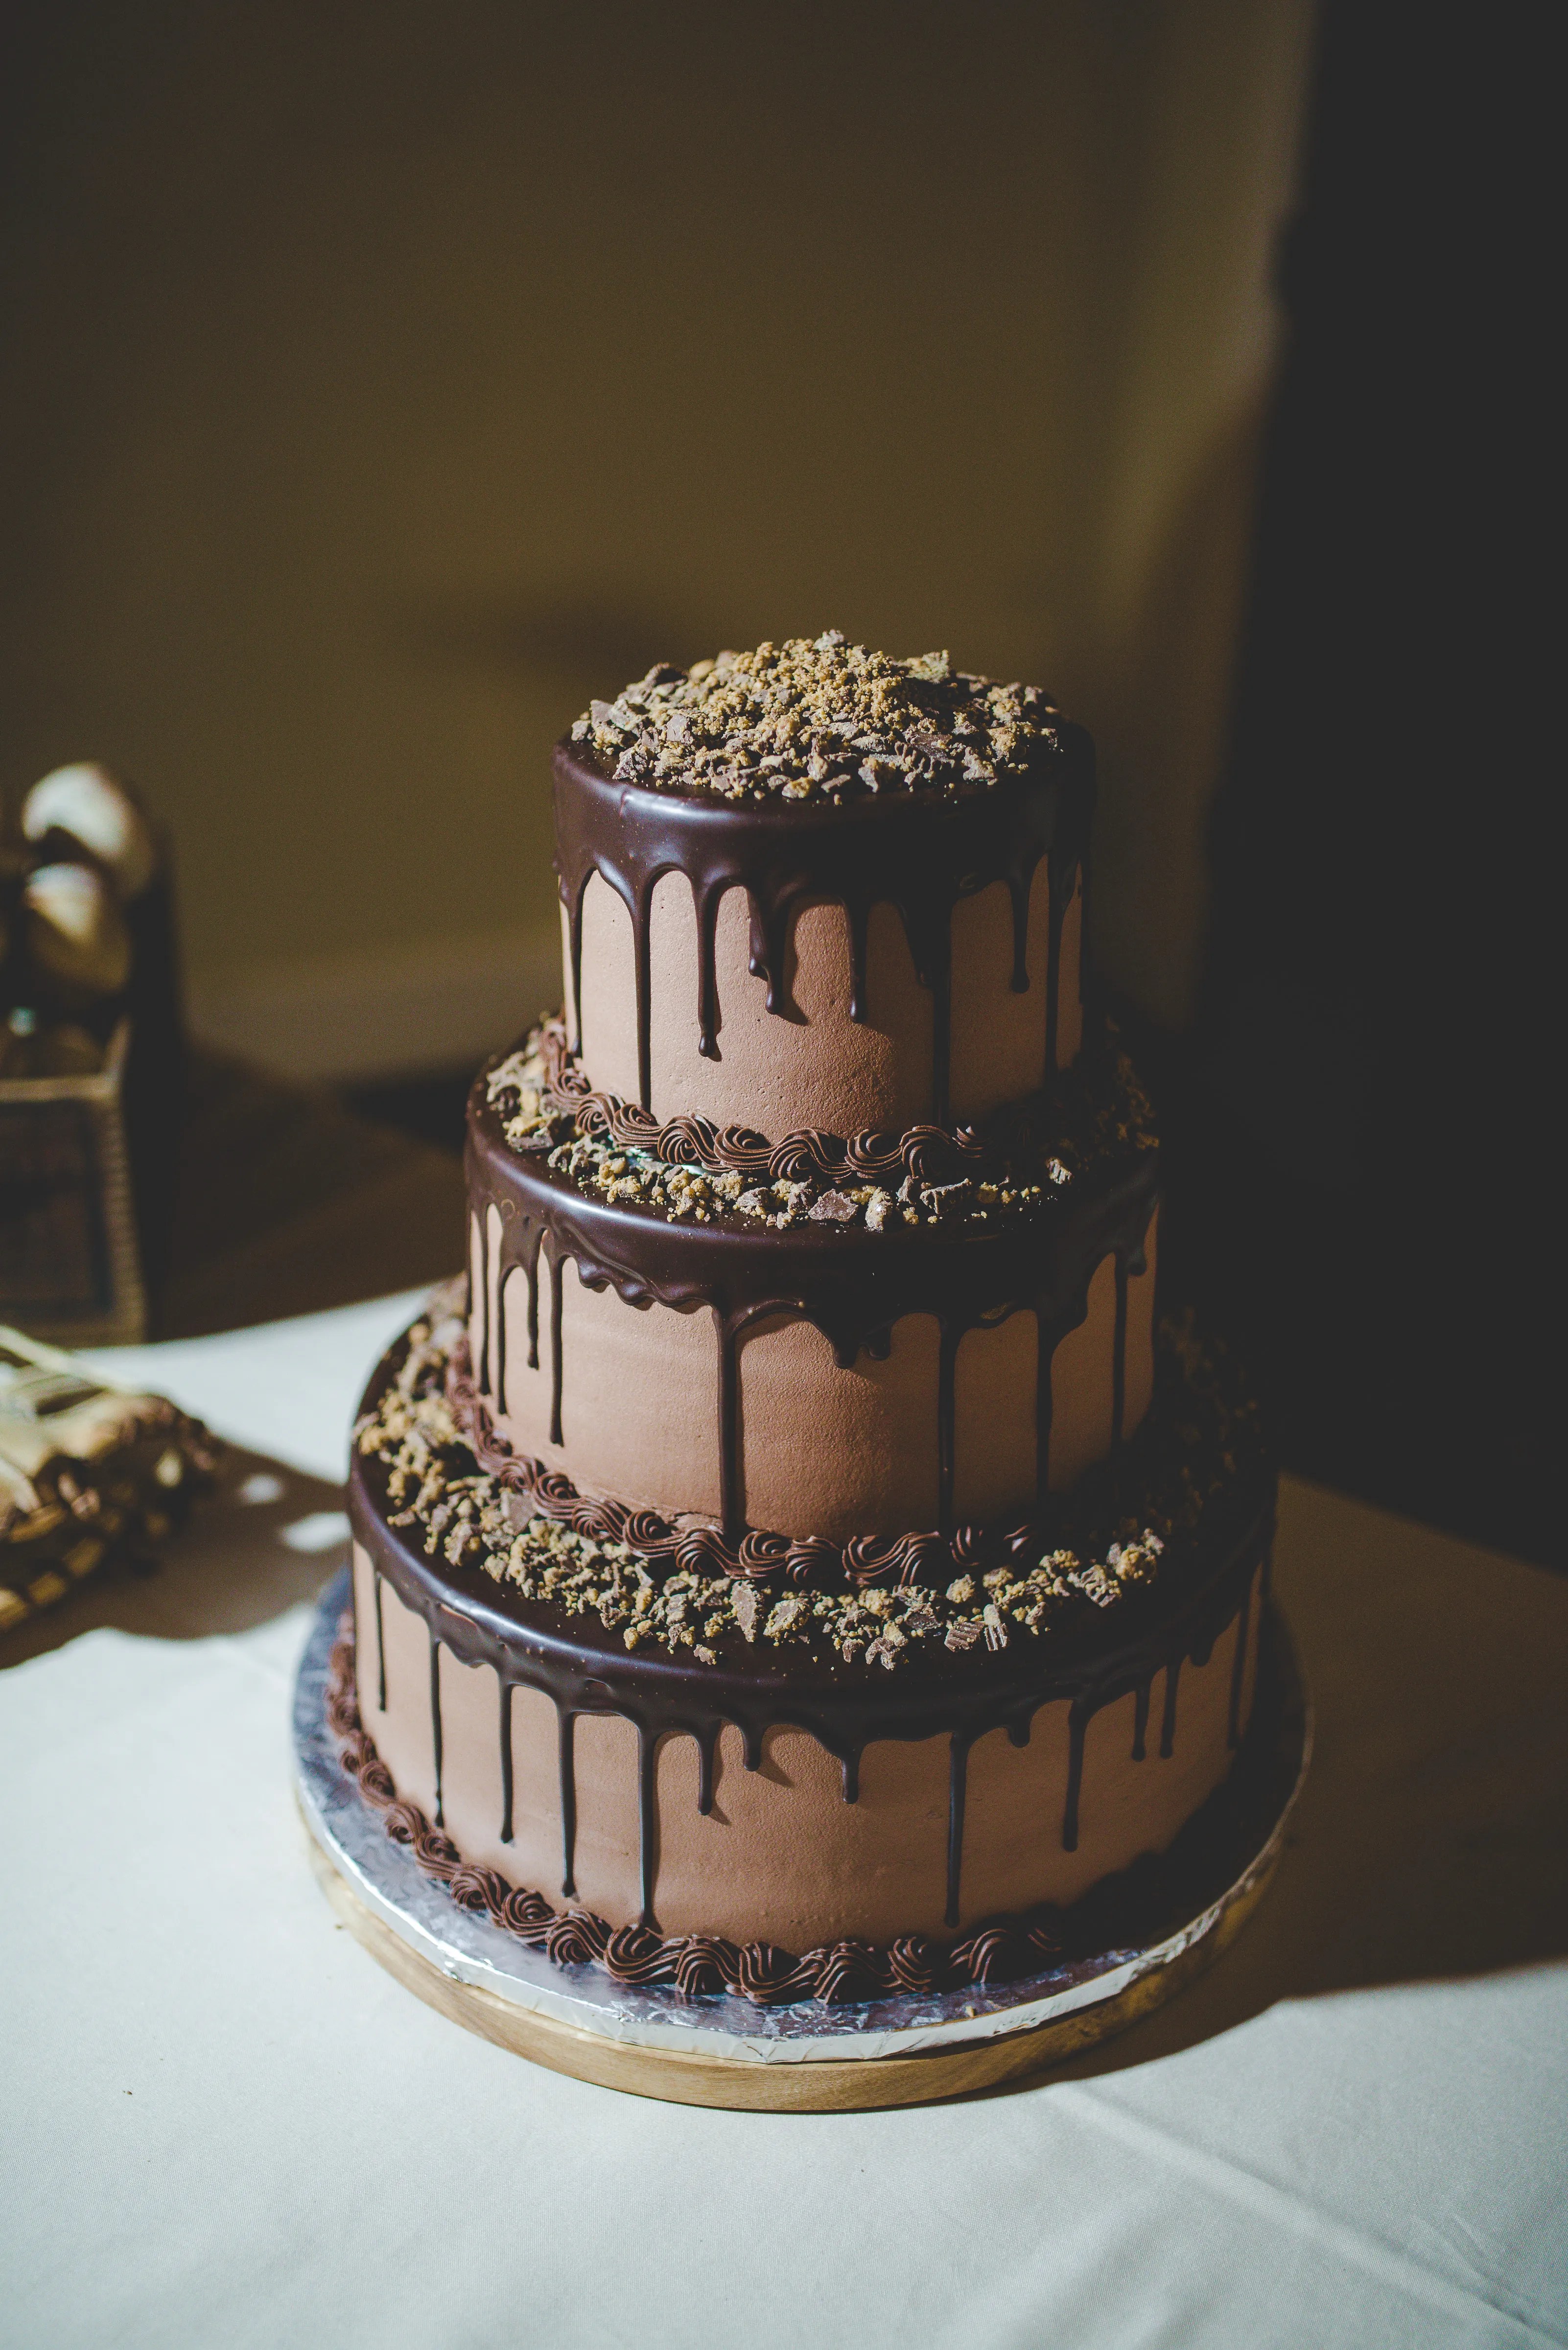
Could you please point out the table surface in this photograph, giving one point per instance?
(223, 2123)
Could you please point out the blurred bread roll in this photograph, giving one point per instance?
(75, 932)
(94, 808)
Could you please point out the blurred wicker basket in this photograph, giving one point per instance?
(70, 1263)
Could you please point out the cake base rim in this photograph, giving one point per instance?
(604, 2024)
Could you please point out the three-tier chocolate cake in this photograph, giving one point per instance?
(798, 1563)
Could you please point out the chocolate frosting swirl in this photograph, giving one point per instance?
(927, 1153)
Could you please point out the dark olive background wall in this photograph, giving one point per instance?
(1360, 1114)
(384, 378)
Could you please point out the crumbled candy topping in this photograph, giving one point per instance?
(818, 719)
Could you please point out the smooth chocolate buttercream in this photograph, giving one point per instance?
(808, 1561)
(920, 851)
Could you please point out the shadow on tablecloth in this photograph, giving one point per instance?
(268, 1538)
(1431, 1839)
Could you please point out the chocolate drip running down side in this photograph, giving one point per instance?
(920, 851)
(698, 1965)
(962, 1699)
(851, 1286)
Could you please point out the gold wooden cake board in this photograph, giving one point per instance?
(573, 2020)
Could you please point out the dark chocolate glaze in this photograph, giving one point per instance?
(435, 1724)
(1121, 1911)
(505, 1727)
(850, 1284)
(583, 1669)
(958, 1783)
(919, 852)
(483, 1365)
(1167, 1720)
(565, 1744)
(381, 1648)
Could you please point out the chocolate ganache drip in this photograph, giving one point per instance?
(698, 1965)
(853, 1286)
(920, 851)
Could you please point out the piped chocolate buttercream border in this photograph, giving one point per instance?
(1017, 1162)
(929, 1154)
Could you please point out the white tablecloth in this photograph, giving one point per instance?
(224, 2125)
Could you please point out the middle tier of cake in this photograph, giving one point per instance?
(809, 1379)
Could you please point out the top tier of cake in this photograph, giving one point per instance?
(873, 924)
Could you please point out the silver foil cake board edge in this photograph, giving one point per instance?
(467, 1949)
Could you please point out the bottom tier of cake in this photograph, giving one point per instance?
(778, 1798)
